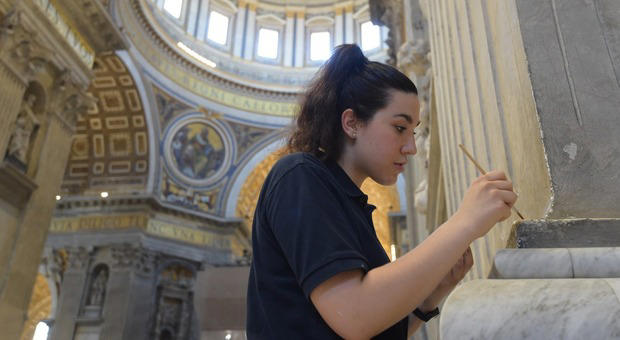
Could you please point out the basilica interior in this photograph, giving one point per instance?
(135, 136)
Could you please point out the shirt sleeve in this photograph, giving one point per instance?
(313, 230)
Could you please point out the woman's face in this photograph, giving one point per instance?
(382, 144)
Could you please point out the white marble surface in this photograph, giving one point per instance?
(533, 309)
(534, 263)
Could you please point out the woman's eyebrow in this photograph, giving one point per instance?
(406, 116)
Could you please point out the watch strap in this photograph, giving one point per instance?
(426, 316)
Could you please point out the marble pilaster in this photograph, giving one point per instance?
(239, 29)
(289, 30)
(250, 32)
(300, 31)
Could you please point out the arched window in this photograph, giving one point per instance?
(320, 43)
(40, 333)
(268, 43)
(174, 7)
(218, 28)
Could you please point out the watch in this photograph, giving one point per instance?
(426, 316)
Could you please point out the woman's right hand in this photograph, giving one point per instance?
(487, 201)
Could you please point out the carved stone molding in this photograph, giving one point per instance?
(21, 50)
(132, 257)
(78, 258)
(414, 59)
(389, 13)
(70, 100)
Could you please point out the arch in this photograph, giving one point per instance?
(227, 3)
(248, 195)
(386, 199)
(242, 176)
(40, 306)
(320, 20)
(270, 19)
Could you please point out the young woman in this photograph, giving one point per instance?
(318, 269)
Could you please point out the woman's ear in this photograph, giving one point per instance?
(349, 123)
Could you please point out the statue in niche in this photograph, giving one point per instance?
(24, 132)
(98, 288)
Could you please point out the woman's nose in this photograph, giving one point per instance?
(410, 148)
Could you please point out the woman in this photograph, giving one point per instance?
(318, 269)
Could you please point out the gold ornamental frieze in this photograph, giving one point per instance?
(143, 222)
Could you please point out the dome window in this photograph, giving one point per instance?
(218, 28)
(268, 43)
(371, 36)
(173, 7)
(319, 46)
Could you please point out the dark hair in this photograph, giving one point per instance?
(347, 80)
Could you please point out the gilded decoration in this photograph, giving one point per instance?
(196, 150)
(200, 150)
(248, 196)
(40, 307)
(151, 226)
(110, 146)
(385, 198)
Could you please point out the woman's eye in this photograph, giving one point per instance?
(401, 128)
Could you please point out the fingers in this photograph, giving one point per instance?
(495, 175)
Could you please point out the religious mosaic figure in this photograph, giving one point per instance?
(198, 150)
(24, 131)
(98, 288)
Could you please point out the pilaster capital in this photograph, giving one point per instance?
(70, 100)
(78, 258)
(134, 258)
(20, 48)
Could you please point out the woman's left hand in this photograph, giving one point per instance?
(449, 281)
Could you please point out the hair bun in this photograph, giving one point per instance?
(347, 59)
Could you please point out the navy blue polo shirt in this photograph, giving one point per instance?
(311, 223)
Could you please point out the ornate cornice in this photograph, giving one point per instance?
(94, 23)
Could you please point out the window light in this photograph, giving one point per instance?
(319, 46)
(218, 28)
(268, 43)
(371, 36)
(40, 333)
(173, 7)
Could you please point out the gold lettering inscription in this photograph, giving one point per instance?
(98, 223)
(189, 235)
